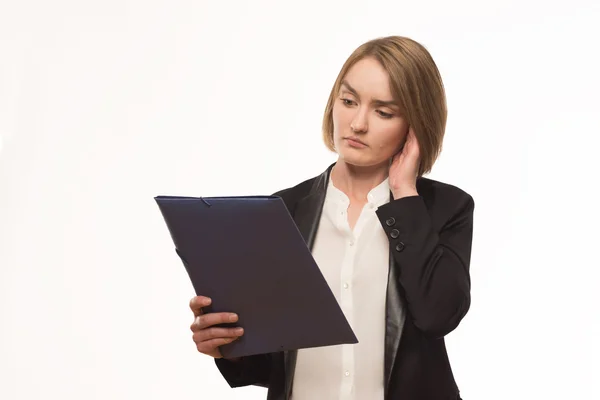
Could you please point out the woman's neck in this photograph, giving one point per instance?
(357, 182)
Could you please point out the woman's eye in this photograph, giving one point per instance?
(385, 115)
(347, 102)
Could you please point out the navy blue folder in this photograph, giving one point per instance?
(248, 256)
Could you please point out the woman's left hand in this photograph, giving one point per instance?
(405, 168)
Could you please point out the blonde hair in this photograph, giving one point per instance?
(416, 85)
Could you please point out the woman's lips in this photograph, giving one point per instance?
(356, 143)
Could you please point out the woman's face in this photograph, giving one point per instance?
(368, 129)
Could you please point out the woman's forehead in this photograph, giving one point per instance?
(367, 77)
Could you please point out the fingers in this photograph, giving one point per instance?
(217, 333)
(197, 302)
(404, 144)
(209, 340)
(414, 145)
(207, 320)
(211, 347)
(207, 336)
(410, 138)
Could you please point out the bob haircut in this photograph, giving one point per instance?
(416, 86)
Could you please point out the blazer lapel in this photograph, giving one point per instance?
(307, 215)
(395, 317)
(394, 322)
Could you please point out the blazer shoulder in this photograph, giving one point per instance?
(291, 194)
(436, 192)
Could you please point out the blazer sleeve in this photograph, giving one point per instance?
(433, 264)
(251, 370)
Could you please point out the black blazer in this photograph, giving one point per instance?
(430, 249)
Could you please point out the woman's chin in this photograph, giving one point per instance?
(361, 159)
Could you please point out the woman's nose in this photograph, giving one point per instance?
(359, 123)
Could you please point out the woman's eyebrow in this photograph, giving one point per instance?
(386, 103)
(350, 88)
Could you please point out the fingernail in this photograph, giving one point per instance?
(233, 317)
(206, 302)
(239, 331)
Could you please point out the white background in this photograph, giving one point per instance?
(105, 104)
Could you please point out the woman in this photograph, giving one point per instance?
(393, 246)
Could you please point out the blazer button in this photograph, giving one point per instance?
(394, 233)
(400, 246)
(390, 221)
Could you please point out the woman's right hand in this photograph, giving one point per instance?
(207, 337)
